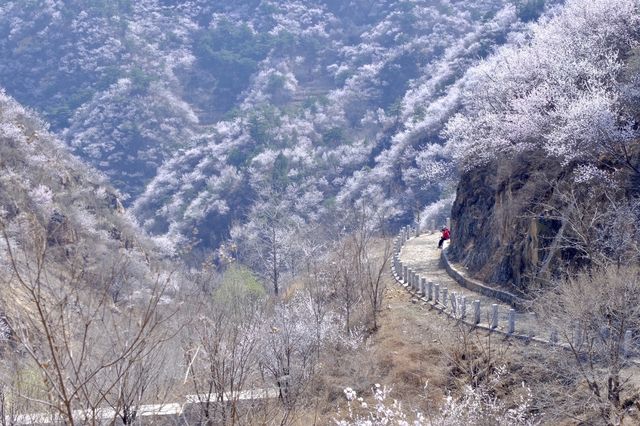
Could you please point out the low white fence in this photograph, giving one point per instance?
(175, 409)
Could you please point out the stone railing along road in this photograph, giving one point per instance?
(426, 272)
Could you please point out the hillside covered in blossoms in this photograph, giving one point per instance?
(197, 112)
(294, 212)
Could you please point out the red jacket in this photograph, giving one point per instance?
(446, 234)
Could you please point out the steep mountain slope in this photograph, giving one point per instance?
(339, 148)
(102, 71)
(549, 145)
(55, 209)
(187, 105)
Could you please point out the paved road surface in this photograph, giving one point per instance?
(423, 256)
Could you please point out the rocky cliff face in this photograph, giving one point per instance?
(500, 232)
(523, 221)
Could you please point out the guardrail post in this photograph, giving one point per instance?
(463, 307)
(423, 285)
(429, 290)
(437, 291)
(626, 343)
(476, 312)
(577, 335)
(445, 295)
(494, 316)
(512, 321)
(454, 304)
(405, 273)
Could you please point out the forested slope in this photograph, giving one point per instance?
(194, 110)
(56, 212)
(196, 199)
(549, 145)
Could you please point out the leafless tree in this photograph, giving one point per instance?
(220, 350)
(69, 330)
(143, 379)
(273, 240)
(220, 362)
(289, 353)
(347, 286)
(374, 269)
(599, 224)
(318, 286)
(364, 254)
(14, 382)
(596, 314)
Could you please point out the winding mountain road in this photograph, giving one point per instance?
(421, 255)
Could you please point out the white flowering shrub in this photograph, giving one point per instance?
(436, 214)
(556, 91)
(476, 406)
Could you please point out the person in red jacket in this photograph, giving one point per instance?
(445, 236)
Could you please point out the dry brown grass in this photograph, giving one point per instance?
(416, 346)
(404, 354)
